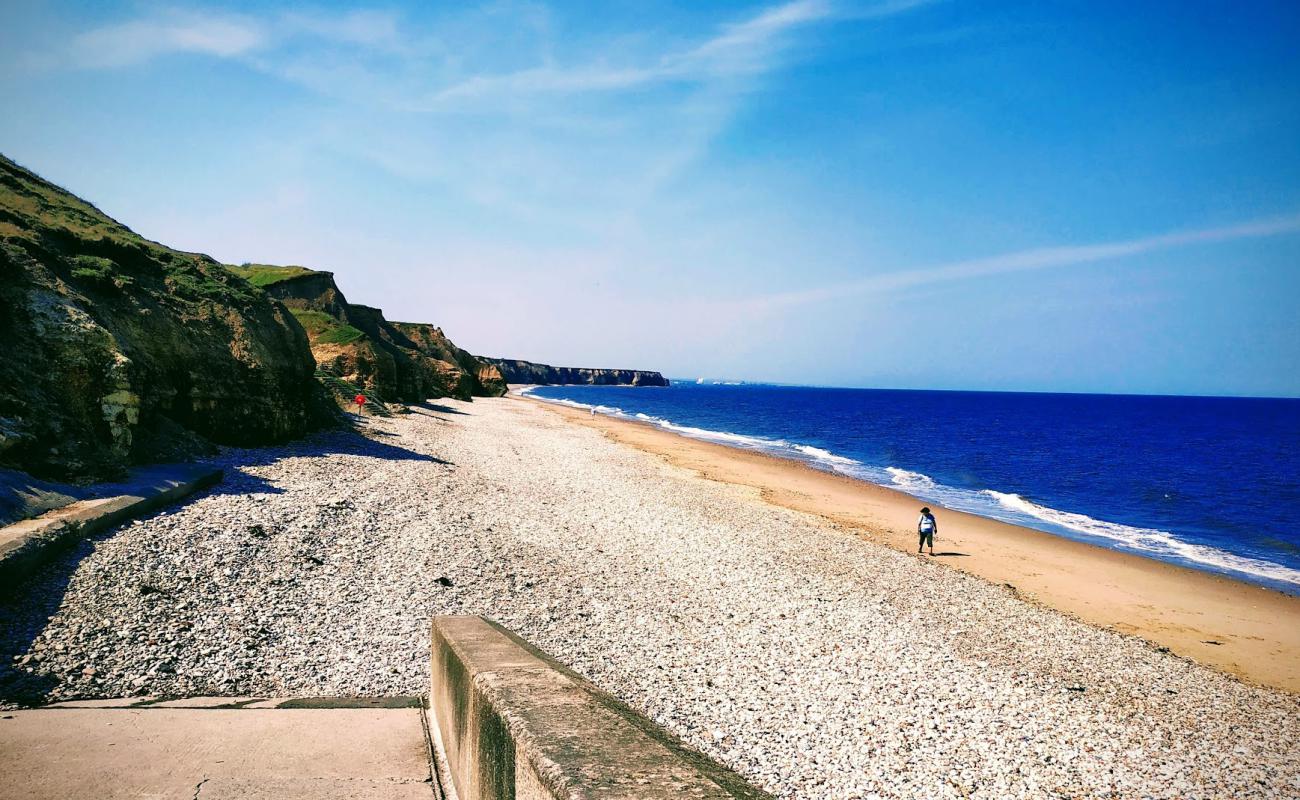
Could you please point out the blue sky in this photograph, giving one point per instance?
(1083, 196)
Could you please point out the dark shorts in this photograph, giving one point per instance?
(927, 537)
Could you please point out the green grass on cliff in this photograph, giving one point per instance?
(96, 253)
(267, 274)
(100, 271)
(324, 328)
(30, 207)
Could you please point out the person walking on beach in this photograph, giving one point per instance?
(927, 528)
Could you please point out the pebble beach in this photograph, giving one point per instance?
(815, 663)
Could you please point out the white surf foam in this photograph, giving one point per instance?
(737, 439)
(756, 442)
(600, 409)
(906, 479)
(1149, 540)
(559, 401)
(825, 455)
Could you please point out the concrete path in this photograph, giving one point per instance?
(207, 750)
(27, 544)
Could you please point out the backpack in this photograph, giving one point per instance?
(927, 524)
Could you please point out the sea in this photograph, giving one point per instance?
(1211, 483)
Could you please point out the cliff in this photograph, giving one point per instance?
(483, 378)
(526, 372)
(119, 350)
(394, 362)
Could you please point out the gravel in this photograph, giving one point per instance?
(815, 663)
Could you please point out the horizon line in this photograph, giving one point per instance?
(785, 384)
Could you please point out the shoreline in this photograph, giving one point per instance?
(817, 664)
(1249, 631)
(1020, 508)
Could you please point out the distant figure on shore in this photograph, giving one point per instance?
(927, 528)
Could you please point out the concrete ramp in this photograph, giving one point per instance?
(204, 749)
(28, 544)
(505, 722)
(510, 723)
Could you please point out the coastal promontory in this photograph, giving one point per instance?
(395, 361)
(527, 372)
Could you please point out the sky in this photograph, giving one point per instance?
(1056, 196)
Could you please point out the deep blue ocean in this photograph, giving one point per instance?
(1208, 482)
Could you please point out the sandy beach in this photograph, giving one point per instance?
(1248, 631)
(792, 647)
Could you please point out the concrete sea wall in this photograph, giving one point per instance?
(514, 723)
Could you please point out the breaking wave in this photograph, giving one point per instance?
(825, 456)
(906, 479)
(1146, 540)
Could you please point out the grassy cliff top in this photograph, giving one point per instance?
(98, 253)
(322, 327)
(30, 205)
(267, 274)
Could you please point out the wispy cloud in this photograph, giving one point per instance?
(171, 31)
(1026, 260)
(738, 46)
(749, 46)
(613, 121)
(376, 29)
(141, 40)
(742, 48)
(579, 132)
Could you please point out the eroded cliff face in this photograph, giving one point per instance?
(395, 362)
(483, 379)
(527, 372)
(119, 350)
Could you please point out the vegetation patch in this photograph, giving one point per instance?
(100, 270)
(266, 274)
(343, 334)
(190, 280)
(10, 230)
(92, 268)
(324, 328)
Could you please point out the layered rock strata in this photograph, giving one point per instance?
(395, 361)
(120, 350)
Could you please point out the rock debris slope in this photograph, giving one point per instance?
(816, 664)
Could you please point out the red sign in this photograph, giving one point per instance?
(359, 399)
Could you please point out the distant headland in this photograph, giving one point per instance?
(526, 372)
